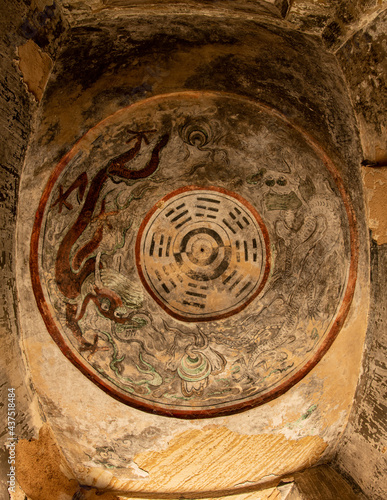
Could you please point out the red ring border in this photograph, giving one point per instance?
(262, 227)
(210, 412)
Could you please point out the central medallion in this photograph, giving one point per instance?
(203, 253)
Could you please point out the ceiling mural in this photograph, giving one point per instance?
(194, 254)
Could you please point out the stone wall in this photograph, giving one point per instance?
(15, 126)
(362, 451)
(363, 61)
(40, 29)
(334, 20)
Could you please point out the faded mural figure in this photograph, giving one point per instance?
(193, 273)
(71, 271)
(306, 227)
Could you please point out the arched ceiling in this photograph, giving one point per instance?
(234, 98)
(335, 21)
(267, 145)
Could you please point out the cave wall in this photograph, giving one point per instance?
(362, 450)
(335, 21)
(37, 28)
(103, 68)
(75, 103)
(20, 24)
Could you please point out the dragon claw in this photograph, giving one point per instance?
(62, 201)
(140, 135)
(93, 348)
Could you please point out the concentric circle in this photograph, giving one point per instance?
(187, 309)
(203, 254)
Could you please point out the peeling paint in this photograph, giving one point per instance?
(43, 474)
(375, 183)
(35, 66)
(215, 458)
(40, 469)
(303, 417)
(140, 472)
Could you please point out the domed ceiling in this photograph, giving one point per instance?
(194, 254)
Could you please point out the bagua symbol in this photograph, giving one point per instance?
(71, 271)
